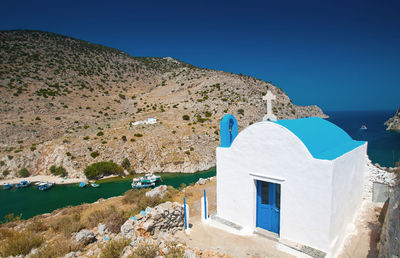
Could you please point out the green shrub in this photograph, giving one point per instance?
(33, 148)
(2, 163)
(103, 168)
(122, 96)
(100, 133)
(58, 171)
(126, 163)
(23, 172)
(113, 249)
(86, 138)
(37, 118)
(200, 119)
(240, 111)
(20, 243)
(58, 118)
(207, 114)
(94, 154)
(6, 173)
(123, 138)
(185, 117)
(138, 134)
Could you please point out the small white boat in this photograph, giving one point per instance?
(95, 185)
(363, 127)
(153, 178)
(140, 185)
(44, 186)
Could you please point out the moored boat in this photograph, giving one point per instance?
(140, 185)
(8, 186)
(95, 185)
(363, 127)
(44, 186)
(153, 177)
(23, 184)
(82, 184)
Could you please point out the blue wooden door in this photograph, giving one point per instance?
(268, 206)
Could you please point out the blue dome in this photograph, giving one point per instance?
(322, 138)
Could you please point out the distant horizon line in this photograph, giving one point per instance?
(360, 110)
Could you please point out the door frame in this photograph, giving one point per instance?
(266, 178)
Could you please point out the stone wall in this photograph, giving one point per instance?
(166, 217)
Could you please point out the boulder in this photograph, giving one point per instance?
(128, 229)
(85, 237)
(201, 181)
(102, 229)
(157, 192)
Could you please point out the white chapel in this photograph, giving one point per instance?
(300, 179)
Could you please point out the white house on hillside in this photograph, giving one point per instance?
(149, 121)
(301, 179)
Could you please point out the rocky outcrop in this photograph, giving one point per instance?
(389, 245)
(85, 237)
(157, 192)
(394, 122)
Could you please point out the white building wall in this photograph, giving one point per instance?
(269, 152)
(347, 185)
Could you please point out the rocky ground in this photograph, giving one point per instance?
(394, 122)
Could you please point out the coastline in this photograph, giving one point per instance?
(43, 178)
(63, 180)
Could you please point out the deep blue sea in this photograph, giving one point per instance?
(383, 146)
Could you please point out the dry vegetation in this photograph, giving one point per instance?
(67, 102)
(53, 234)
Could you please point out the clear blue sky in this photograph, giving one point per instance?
(339, 55)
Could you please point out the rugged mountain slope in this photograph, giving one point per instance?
(69, 102)
(394, 122)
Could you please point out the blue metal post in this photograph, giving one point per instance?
(205, 205)
(184, 211)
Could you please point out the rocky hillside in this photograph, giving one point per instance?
(68, 102)
(394, 122)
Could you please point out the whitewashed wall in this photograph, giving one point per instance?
(348, 176)
(270, 152)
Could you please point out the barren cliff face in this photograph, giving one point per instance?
(394, 122)
(67, 102)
